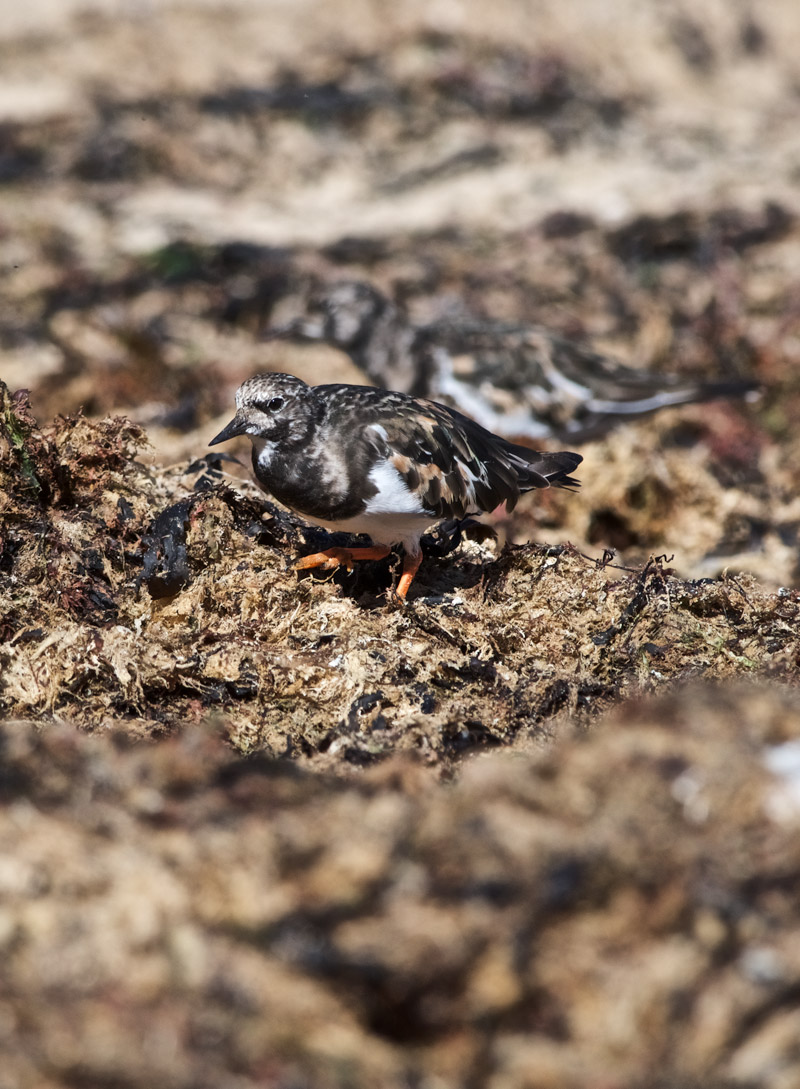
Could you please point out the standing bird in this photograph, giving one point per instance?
(519, 380)
(381, 463)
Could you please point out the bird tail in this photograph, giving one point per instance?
(546, 470)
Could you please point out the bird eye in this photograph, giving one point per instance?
(274, 403)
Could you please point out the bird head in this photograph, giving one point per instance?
(342, 314)
(271, 408)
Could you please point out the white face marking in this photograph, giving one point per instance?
(265, 451)
(346, 324)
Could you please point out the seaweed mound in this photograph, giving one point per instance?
(150, 599)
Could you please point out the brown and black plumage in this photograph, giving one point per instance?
(380, 462)
(516, 379)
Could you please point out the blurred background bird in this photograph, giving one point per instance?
(516, 379)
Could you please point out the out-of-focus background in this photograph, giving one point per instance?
(539, 829)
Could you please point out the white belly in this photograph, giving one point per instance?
(383, 529)
(394, 515)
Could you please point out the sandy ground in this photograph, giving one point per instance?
(537, 828)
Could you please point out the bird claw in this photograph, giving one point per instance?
(327, 560)
(335, 557)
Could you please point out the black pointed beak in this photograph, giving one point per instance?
(237, 426)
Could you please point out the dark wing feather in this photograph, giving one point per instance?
(457, 466)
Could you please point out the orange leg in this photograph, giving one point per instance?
(332, 557)
(411, 562)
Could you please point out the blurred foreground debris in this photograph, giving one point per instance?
(584, 908)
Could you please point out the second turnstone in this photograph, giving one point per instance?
(380, 463)
(519, 380)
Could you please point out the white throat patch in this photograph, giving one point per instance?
(265, 451)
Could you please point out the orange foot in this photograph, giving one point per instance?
(411, 562)
(333, 557)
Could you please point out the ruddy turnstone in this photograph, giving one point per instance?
(381, 463)
(515, 379)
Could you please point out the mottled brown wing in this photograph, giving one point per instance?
(457, 466)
